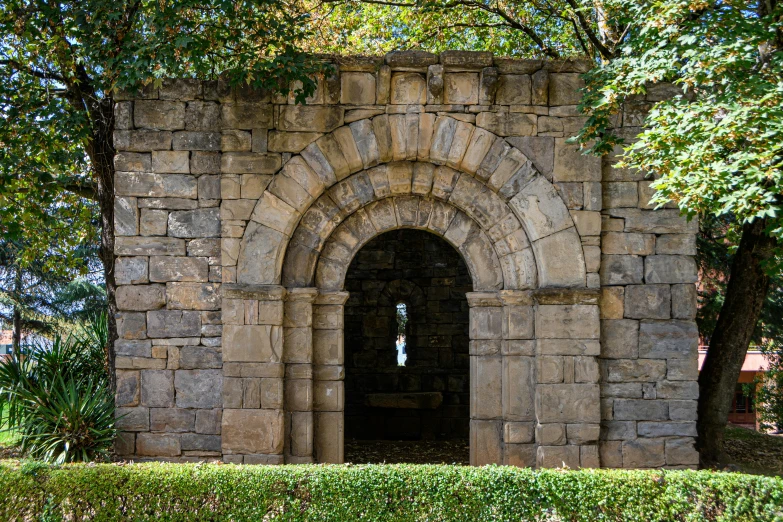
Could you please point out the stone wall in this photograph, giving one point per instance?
(238, 214)
(428, 398)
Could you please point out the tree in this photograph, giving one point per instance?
(717, 151)
(62, 62)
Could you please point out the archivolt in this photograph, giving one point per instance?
(506, 208)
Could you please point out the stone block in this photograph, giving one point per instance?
(621, 270)
(173, 323)
(486, 442)
(126, 217)
(357, 88)
(141, 140)
(628, 370)
(507, 123)
(131, 325)
(157, 444)
(667, 429)
(668, 340)
(648, 301)
(553, 434)
(486, 322)
(460, 88)
(685, 390)
(253, 431)
(567, 347)
(208, 421)
(408, 88)
(153, 222)
(572, 165)
(662, 221)
(198, 388)
(567, 322)
(328, 395)
(252, 343)
(172, 420)
(619, 194)
(612, 302)
(549, 369)
(166, 269)
(640, 409)
(628, 244)
(290, 141)
(157, 388)
(203, 222)
(683, 410)
(145, 184)
(684, 301)
(249, 163)
(587, 223)
(564, 88)
(132, 419)
(619, 339)
(676, 244)
(192, 296)
(486, 396)
(518, 386)
(583, 433)
(141, 297)
(514, 89)
(557, 457)
(199, 357)
(574, 403)
(518, 322)
(585, 370)
(518, 432)
(682, 369)
(643, 453)
(611, 454)
(670, 269)
(520, 455)
(128, 388)
(681, 452)
(159, 115)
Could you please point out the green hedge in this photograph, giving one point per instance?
(379, 492)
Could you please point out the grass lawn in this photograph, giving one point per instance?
(7, 438)
(754, 452)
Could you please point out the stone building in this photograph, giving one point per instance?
(239, 216)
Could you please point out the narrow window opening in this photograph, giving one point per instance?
(402, 321)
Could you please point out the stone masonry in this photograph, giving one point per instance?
(238, 214)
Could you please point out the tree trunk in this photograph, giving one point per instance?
(745, 296)
(16, 341)
(101, 151)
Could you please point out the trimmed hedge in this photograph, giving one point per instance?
(35, 491)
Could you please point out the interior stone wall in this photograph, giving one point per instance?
(430, 277)
(238, 214)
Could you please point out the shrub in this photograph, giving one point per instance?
(379, 492)
(58, 399)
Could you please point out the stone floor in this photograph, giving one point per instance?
(409, 452)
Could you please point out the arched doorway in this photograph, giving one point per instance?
(407, 390)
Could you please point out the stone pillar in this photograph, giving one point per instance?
(298, 359)
(486, 371)
(567, 391)
(328, 375)
(518, 349)
(253, 426)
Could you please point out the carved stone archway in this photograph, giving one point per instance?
(488, 201)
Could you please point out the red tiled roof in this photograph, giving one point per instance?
(754, 361)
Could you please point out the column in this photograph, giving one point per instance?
(518, 350)
(253, 428)
(486, 371)
(567, 403)
(328, 375)
(298, 359)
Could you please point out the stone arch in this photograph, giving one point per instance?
(432, 158)
(393, 213)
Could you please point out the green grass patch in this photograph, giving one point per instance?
(379, 493)
(7, 438)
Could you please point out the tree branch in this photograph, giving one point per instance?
(605, 51)
(44, 75)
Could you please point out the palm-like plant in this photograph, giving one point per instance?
(57, 396)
